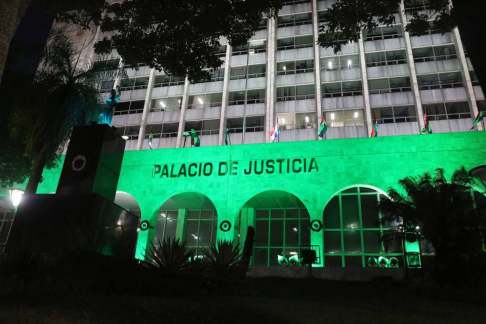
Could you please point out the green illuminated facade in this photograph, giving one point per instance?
(208, 193)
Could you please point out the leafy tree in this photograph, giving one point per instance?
(181, 37)
(346, 18)
(446, 215)
(62, 95)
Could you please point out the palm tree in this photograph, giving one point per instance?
(63, 94)
(443, 213)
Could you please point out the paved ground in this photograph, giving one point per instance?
(265, 301)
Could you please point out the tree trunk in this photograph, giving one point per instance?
(472, 27)
(36, 173)
(11, 13)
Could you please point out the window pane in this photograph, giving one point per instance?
(332, 242)
(331, 214)
(277, 213)
(205, 233)
(350, 211)
(262, 213)
(351, 261)
(191, 232)
(276, 233)
(352, 242)
(372, 241)
(261, 257)
(261, 233)
(170, 229)
(291, 233)
(274, 253)
(332, 261)
(305, 232)
(369, 211)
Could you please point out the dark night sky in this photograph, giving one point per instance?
(29, 40)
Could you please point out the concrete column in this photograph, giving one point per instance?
(247, 219)
(146, 110)
(271, 77)
(182, 119)
(224, 104)
(317, 64)
(366, 90)
(181, 225)
(466, 78)
(413, 73)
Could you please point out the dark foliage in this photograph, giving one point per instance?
(443, 213)
(181, 37)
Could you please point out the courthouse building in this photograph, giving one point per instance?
(301, 190)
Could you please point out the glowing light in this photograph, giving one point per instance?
(162, 104)
(163, 215)
(295, 230)
(178, 101)
(332, 116)
(284, 68)
(200, 101)
(329, 65)
(349, 64)
(195, 237)
(16, 196)
(356, 114)
(283, 120)
(293, 253)
(306, 119)
(125, 137)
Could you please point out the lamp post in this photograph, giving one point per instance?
(250, 52)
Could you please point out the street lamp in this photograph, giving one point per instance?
(250, 52)
(15, 195)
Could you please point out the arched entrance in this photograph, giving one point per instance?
(127, 201)
(189, 217)
(281, 223)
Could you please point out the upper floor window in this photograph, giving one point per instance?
(291, 2)
(106, 65)
(254, 46)
(164, 80)
(332, 63)
(254, 71)
(384, 32)
(291, 67)
(342, 89)
(396, 114)
(400, 84)
(340, 118)
(435, 53)
(162, 131)
(441, 80)
(386, 58)
(252, 124)
(252, 97)
(166, 104)
(297, 121)
(295, 20)
(203, 127)
(296, 92)
(447, 110)
(205, 100)
(416, 4)
(129, 107)
(106, 86)
(295, 42)
(474, 78)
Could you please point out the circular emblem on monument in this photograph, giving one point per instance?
(316, 225)
(225, 226)
(144, 225)
(79, 163)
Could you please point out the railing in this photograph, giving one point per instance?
(133, 88)
(205, 105)
(297, 97)
(295, 23)
(434, 58)
(245, 51)
(340, 93)
(294, 46)
(388, 62)
(128, 112)
(252, 75)
(235, 130)
(295, 71)
(432, 85)
(298, 126)
(396, 120)
(248, 101)
(450, 116)
(170, 108)
(159, 135)
(340, 67)
(391, 89)
(288, 3)
(383, 36)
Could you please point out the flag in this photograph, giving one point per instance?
(428, 128)
(150, 138)
(478, 119)
(226, 138)
(322, 128)
(374, 131)
(275, 131)
(195, 139)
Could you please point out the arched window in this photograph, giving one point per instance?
(166, 225)
(352, 229)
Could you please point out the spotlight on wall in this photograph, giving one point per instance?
(372, 262)
(382, 262)
(16, 196)
(294, 261)
(393, 262)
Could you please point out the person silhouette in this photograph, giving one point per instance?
(110, 103)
